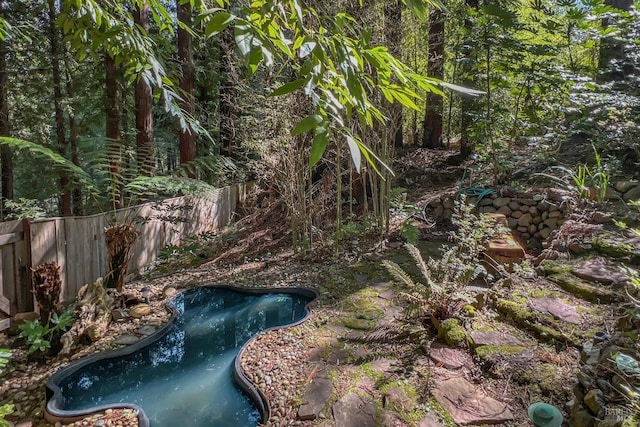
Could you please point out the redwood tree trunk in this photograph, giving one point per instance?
(432, 126)
(144, 109)
(185, 57)
(6, 154)
(114, 142)
(468, 104)
(64, 181)
(73, 136)
(227, 95)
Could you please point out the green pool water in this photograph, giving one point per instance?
(186, 378)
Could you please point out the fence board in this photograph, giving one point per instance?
(11, 227)
(8, 276)
(78, 246)
(44, 241)
(22, 272)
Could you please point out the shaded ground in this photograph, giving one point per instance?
(354, 363)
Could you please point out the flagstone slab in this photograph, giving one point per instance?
(599, 272)
(316, 396)
(354, 411)
(493, 338)
(384, 366)
(468, 405)
(450, 358)
(557, 308)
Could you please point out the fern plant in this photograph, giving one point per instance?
(442, 293)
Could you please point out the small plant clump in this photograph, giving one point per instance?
(39, 337)
(442, 295)
(6, 409)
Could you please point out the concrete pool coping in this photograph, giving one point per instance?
(55, 400)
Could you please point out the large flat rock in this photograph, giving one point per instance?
(353, 411)
(469, 405)
(557, 308)
(595, 271)
(316, 396)
(450, 358)
(493, 338)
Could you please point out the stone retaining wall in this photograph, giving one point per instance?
(530, 215)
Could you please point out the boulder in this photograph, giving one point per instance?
(169, 291)
(624, 186)
(137, 311)
(525, 220)
(632, 194)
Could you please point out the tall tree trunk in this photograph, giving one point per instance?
(64, 181)
(432, 126)
(76, 193)
(144, 109)
(227, 95)
(114, 141)
(393, 35)
(185, 57)
(468, 104)
(6, 154)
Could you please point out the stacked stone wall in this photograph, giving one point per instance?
(531, 215)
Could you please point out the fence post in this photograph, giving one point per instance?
(25, 296)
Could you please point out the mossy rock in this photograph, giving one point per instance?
(492, 353)
(519, 312)
(617, 246)
(561, 276)
(451, 332)
(401, 398)
(355, 322)
(469, 310)
(545, 377)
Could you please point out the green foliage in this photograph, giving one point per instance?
(6, 409)
(582, 179)
(349, 231)
(5, 355)
(193, 253)
(333, 63)
(442, 293)
(409, 232)
(25, 208)
(39, 336)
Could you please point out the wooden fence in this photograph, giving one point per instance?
(77, 244)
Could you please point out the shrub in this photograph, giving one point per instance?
(39, 337)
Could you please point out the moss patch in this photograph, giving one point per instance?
(518, 312)
(469, 310)
(373, 270)
(446, 420)
(561, 276)
(354, 322)
(451, 331)
(614, 246)
(365, 313)
(545, 378)
(404, 401)
(489, 353)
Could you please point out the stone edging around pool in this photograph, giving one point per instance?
(54, 398)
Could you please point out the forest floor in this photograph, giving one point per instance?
(351, 363)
